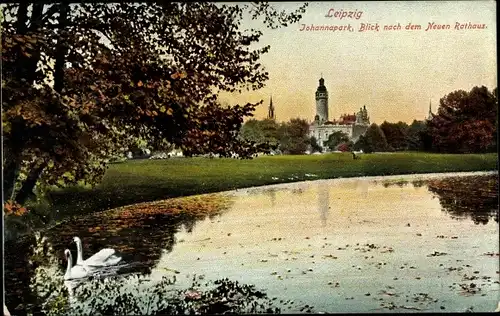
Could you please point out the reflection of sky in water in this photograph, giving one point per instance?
(296, 241)
(266, 235)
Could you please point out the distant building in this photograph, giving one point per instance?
(270, 114)
(354, 125)
(430, 115)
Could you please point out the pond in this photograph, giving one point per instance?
(415, 243)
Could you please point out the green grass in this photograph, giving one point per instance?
(148, 180)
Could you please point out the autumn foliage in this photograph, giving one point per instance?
(475, 197)
(466, 122)
(81, 82)
(13, 208)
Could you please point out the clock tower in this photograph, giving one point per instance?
(322, 102)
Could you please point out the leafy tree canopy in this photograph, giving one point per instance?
(396, 134)
(315, 147)
(335, 139)
(373, 140)
(294, 136)
(81, 81)
(261, 132)
(466, 121)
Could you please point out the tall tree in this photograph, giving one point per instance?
(315, 147)
(395, 134)
(270, 131)
(294, 136)
(260, 132)
(251, 131)
(335, 139)
(417, 137)
(122, 71)
(466, 121)
(494, 142)
(373, 140)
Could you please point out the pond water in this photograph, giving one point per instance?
(377, 244)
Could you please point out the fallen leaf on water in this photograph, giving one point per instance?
(384, 292)
(410, 307)
(330, 256)
(437, 253)
(171, 270)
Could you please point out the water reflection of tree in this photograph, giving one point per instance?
(47, 294)
(418, 183)
(33, 278)
(474, 197)
(399, 183)
(140, 233)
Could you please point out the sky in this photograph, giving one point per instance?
(395, 73)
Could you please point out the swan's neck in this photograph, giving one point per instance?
(79, 255)
(70, 263)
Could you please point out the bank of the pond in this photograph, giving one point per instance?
(138, 181)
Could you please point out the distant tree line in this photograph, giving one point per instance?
(290, 137)
(465, 122)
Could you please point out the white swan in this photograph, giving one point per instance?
(5, 311)
(77, 272)
(105, 257)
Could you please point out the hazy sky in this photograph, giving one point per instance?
(394, 73)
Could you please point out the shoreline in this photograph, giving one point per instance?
(412, 176)
(142, 181)
(282, 185)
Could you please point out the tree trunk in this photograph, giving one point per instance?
(25, 70)
(22, 18)
(29, 184)
(10, 174)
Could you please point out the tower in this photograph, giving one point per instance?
(270, 113)
(366, 118)
(430, 115)
(322, 101)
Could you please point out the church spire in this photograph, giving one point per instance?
(270, 114)
(430, 115)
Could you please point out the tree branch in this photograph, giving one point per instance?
(61, 52)
(36, 16)
(43, 18)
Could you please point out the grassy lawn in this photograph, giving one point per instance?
(148, 180)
